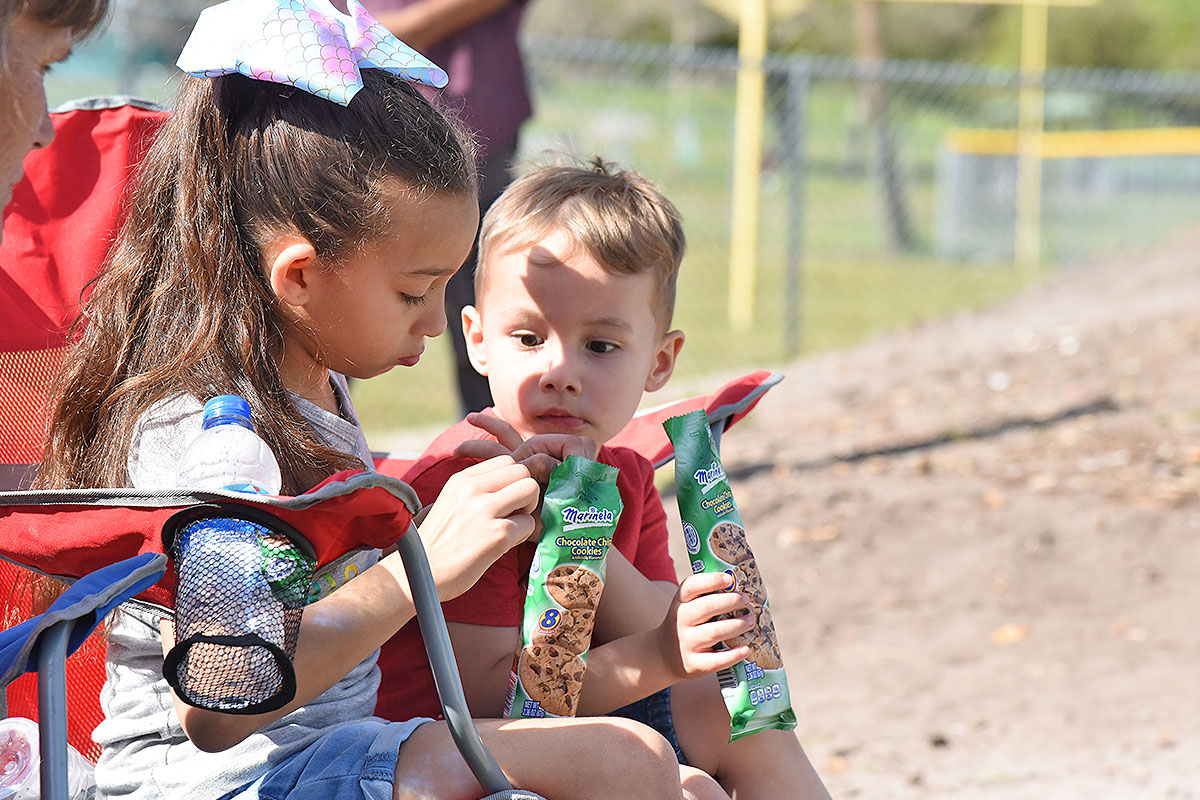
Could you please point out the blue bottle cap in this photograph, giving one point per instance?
(227, 409)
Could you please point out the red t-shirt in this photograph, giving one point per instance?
(498, 598)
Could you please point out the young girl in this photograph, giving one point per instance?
(277, 241)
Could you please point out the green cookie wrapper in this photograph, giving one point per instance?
(579, 515)
(755, 689)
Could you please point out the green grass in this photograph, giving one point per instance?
(423, 396)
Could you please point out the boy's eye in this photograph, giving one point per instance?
(410, 300)
(528, 339)
(600, 348)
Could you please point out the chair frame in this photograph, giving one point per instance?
(52, 682)
(70, 619)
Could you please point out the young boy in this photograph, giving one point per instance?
(575, 294)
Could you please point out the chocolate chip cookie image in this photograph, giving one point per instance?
(574, 586)
(728, 543)
(552, 676)
(748, 581)
(571, 629)
(762, 641)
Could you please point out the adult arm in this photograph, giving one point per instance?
(425, 23)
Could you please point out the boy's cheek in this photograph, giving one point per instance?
(515, 408)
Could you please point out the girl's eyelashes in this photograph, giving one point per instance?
(433, 289)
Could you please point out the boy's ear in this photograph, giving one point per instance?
(472, 324)
(291, 267)
(664, 360)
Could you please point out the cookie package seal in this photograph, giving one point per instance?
(755, 689)
(579, 516)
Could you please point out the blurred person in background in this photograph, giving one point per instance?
(475, 41)
(34, 36)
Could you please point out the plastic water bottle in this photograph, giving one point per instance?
(20, 764)
(228, 454)
(240, 587)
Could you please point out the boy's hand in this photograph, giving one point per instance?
(690, 631)
(540, 454)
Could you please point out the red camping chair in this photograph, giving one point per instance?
(644, 433)
(65, 534)
(57, 231)
(42, 644)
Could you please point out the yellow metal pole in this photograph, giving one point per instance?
(747, 161)
(1031, 112)
(1031, 119)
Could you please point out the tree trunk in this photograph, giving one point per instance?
(884, 162)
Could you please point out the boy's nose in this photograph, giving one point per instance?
(559, 373)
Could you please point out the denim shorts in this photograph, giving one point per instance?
(655, 711)
(352, 761)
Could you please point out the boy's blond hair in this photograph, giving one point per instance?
(620, 218)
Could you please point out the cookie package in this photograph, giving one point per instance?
(579, 515)
(755, 689)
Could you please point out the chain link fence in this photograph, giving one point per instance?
(887, 190)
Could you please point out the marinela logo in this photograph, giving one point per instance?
(576, 518)
(709, 477)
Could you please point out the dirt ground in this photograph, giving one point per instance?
(980, 540)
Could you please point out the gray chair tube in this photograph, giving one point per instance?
(445, 668)
(52, 710)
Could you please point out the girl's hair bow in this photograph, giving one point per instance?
(308, 44)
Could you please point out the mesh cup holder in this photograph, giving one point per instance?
(242, 577)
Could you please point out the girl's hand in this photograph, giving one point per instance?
(689, 632)
(541, 453)
(481, 513)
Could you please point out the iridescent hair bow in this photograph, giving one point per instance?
(308, 44)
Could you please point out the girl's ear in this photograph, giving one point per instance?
(472, 324)
(291, 268)
(664, 360)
